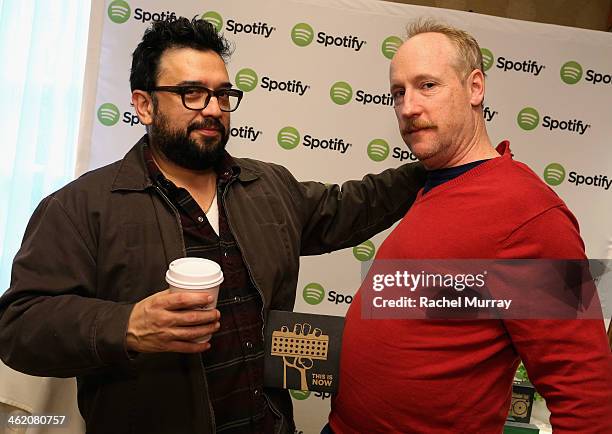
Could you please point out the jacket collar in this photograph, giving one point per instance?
(132, 174)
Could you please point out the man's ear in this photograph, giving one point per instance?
(476, 85)
(143, 104)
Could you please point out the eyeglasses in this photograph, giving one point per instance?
(198, 97)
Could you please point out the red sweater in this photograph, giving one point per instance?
(455, 376)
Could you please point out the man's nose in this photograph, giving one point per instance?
(409, 107)
(212, 108)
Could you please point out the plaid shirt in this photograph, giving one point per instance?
(234, 364)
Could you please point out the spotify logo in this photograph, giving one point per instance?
(378, 150)
(213, 18)
(288, 138)
(300, 395)
(302, 34)
(528, 118)
(108, 114)
(487, 58)
(364, 251)
(313, 293)
(119, 11)
(341, 92)
(246, 80)
(571, 72)
(554, 174)
(390, 46)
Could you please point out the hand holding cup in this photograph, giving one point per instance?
(183, 317)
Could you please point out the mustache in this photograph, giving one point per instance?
(418, 124)
(207, 123)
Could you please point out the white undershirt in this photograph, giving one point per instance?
(213, 214)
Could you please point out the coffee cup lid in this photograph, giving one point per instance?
(194, 273)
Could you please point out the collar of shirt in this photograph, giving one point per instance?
(226, 170)
(440, 176)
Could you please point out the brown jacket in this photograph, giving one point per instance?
(102, 243)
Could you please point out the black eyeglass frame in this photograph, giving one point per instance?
(182, 90)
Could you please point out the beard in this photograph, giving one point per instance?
(178, 147)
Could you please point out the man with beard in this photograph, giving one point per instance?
(88, 296)
(445, 375)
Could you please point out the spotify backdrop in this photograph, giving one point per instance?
(315, 77)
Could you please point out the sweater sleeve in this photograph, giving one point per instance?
(568, 361)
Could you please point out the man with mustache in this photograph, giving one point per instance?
(455, 375)
(88, 296)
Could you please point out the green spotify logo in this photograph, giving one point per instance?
(528, 118)
(487, 58)
(341, 92)
(119, 11)
(214, 18)
(554, 174)
(364, 251)
(571, 72)
(378, 150)
(108, 114)
(288, 138)
(313, 293)
(246, 79)
(300, 395)
(390, 46)
(302, 34)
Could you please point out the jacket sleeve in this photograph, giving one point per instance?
(334, 217)
(568, 361)
(51, 324)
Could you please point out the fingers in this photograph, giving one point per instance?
(187, 347)
(188, 325)
(193, 333)
(190, 317)
(177, 338)
(303, 329)
(182, 300)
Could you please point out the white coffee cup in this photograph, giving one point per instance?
(196, 274)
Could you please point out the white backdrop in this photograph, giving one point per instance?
(564, 134)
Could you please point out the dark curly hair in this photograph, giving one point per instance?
(163, 35)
